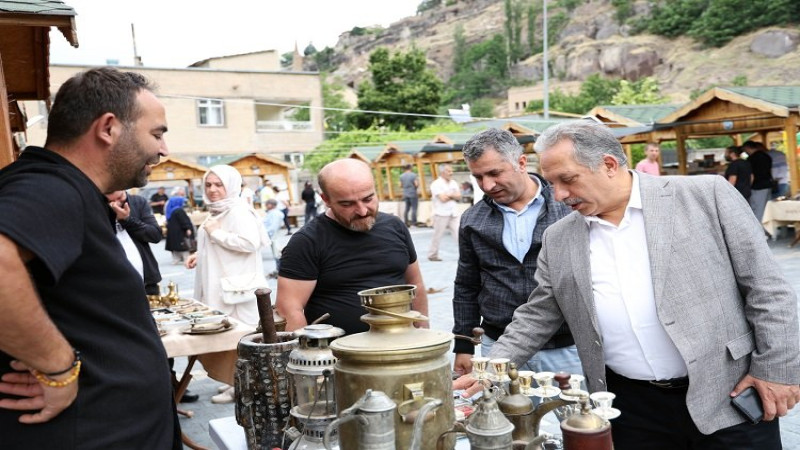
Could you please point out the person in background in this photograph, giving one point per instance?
(671, 292)
(179, 227)
(350, 248)
(498, 246)
(266, 192)
(738, 172)
(309, 197)
(81, 363)
(272, 223)
(229, 246)
(136, 230)
(282, 196)
(761, 166)
(158, 200)
(247, 195)
(649, 164)
(409, 182)
(780, 173)
(445, 193)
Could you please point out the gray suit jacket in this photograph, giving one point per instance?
(719, 294)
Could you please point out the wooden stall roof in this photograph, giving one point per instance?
(736, 110)
(257, 164)
(368, 153)
(171, 168)
(356, 154)
(25, 43)
(636, 118)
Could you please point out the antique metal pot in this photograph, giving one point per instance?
(409, 364)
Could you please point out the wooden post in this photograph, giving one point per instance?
(6, 146)
(791, 151)
(421, 177)
(389, 182)
(379, 181)
(680, 140)
(629, 154)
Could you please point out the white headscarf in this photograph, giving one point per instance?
(232, 181)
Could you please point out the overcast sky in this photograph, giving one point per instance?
(177, 33)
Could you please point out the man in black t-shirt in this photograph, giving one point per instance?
(738, 172)
(81, 361)
(158, 200)
(350, 248)
(761, 165)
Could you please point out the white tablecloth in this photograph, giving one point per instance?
(780, 213)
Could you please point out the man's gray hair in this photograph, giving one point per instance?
(590, 141)
(501, 141)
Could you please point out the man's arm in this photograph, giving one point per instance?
(28, 334)
(291, 301)
(420, 303)
(466, 312)
(732, 179)
(141, 224)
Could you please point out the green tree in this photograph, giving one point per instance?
(481, 71)
(624, 9)
(333, 100)
(428, 4)
(399, 83)
(532, 13)
(644, 91)
(482, 107)
(674, 18)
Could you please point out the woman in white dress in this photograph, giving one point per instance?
(228, 248)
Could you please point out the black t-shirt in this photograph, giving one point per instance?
(741, 169)
(159, 209)
(97, 301)
(761, 165)
(345, 262)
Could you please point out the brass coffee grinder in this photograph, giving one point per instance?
(311, 367)
(409, 365)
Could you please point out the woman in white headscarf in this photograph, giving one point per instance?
(228, 248)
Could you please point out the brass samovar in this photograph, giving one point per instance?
(408, 364)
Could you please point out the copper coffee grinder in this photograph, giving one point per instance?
(311, 367)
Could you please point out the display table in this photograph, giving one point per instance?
(780, 213)
(217, 353)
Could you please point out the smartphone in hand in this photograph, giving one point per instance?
(748, 403)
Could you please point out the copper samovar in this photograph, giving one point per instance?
(408, 364)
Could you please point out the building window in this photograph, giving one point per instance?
(516, 106)
(210, 112)
(524, 105)
(294, 158)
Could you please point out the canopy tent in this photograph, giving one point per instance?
(736, 110)
(25, 56)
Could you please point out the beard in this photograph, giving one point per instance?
(359, 224)
(126, 166)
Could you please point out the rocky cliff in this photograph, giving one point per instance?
(591, 42)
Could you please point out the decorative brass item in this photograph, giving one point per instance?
(410, 365)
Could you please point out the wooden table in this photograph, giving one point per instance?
(217, 353)
(780, 213)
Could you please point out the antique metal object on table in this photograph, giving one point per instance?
(586, 430)
(263, 393)
(487, 427)
(311, 366)
(375, 413)
(410, 365)
(518, 409)
(172, 296)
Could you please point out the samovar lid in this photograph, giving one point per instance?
(377, 402)
(319, 331)
(406, 340)
(584, 421)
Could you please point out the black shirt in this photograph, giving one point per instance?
(159, 209)
(97, 301)
(741, 169)
(761, 165)
(345, 262)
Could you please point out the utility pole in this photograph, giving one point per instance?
(137, 60)
(545, 69)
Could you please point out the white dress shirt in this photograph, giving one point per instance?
(131, 251)
(634, 341)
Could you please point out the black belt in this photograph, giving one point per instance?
(673, 383)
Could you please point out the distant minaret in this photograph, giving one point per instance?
(297, 60)
(137, 60)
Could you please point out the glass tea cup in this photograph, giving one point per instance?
(479, 366)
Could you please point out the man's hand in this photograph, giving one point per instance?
(49, 401)
(122, 211)
(776, 398)
(470, 385)
(462, 363)
(191, 261)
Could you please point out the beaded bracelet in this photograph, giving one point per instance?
(76, 369)
(75, 362)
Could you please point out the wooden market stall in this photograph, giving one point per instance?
(172, 169)
(260, 165)
(633, 117)
(25, 60)
(395, 155)
(733, 111)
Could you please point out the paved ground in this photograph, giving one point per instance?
(439, 278)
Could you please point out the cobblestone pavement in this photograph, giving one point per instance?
(439, 281)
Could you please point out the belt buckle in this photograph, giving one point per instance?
(661, 384)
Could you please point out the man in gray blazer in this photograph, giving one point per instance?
(671, 293)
